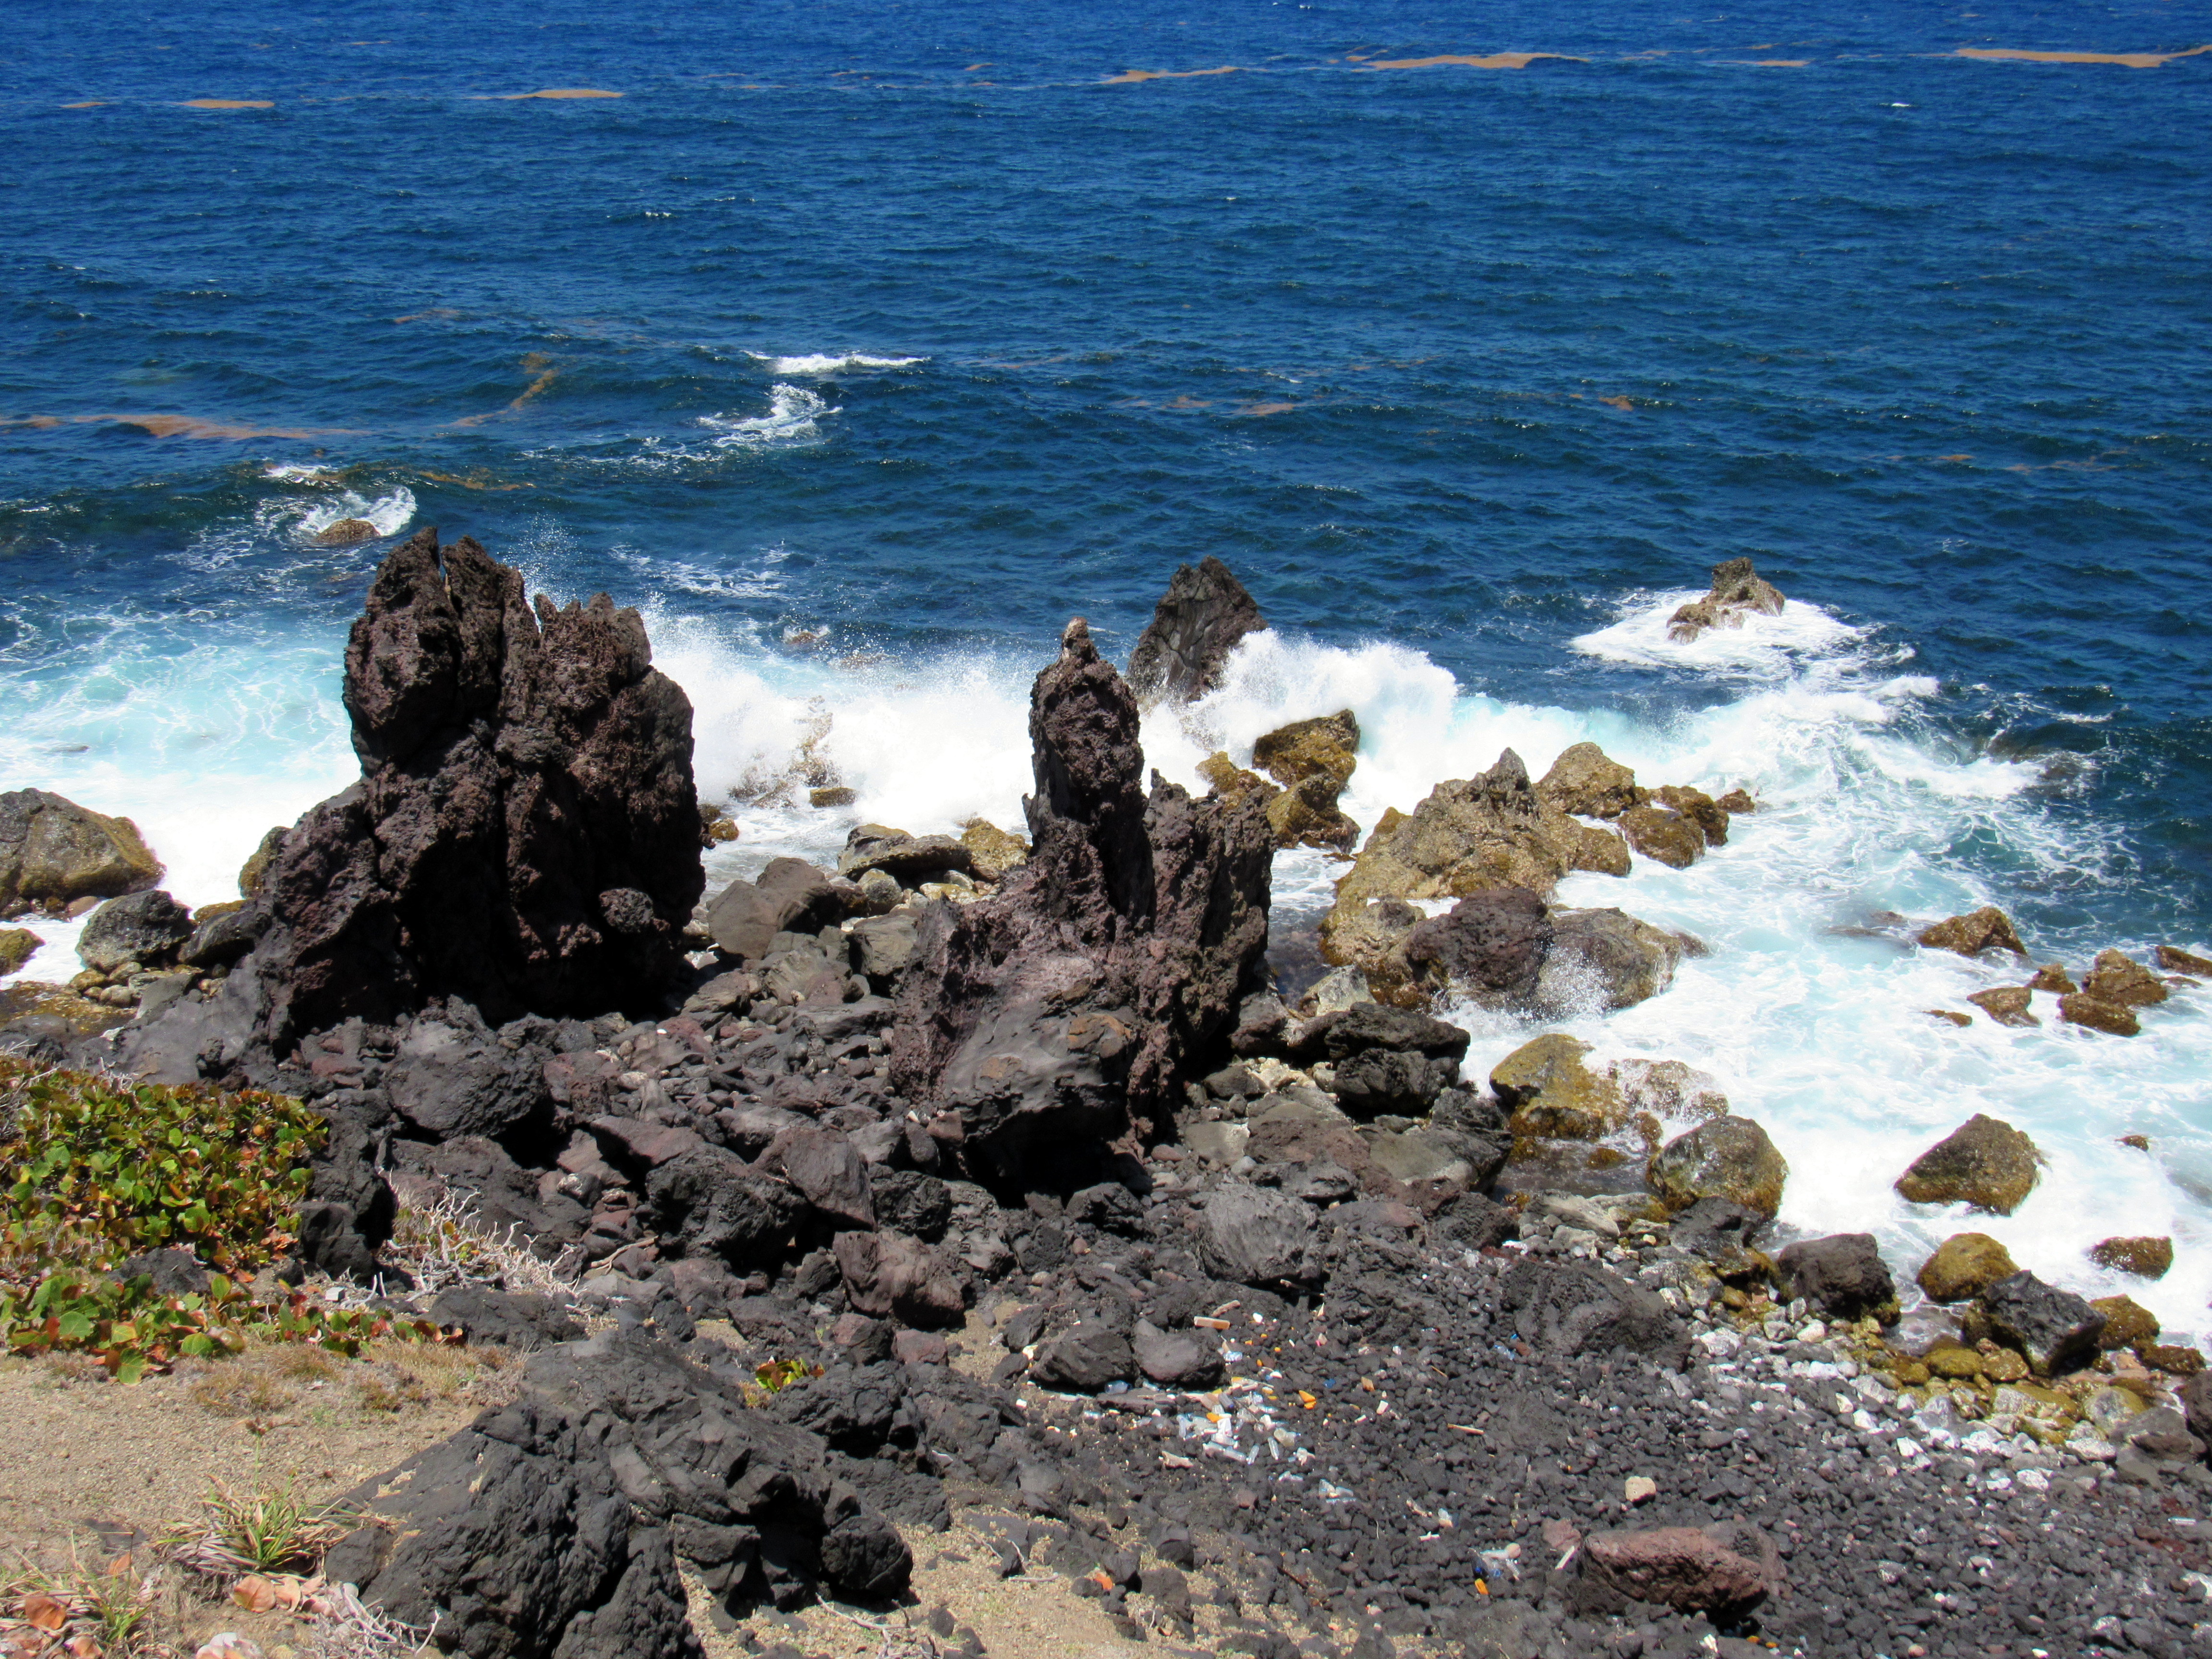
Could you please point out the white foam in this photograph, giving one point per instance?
(55, 962)
(831, 363)
(790, 419)
(391, 511)
(1762, 643)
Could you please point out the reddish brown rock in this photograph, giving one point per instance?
(2051, 976)
(2175, 960)
(2008, 1004)
(2113, 1018)
(1986, 929)
(2118, 978)
(1687, 1568)
(1738, 591)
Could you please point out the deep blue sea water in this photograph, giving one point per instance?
(862, 344)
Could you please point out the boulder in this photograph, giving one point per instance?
(1663, 834)
(1700, 808)
(1738, 591)
(2145, 1258)
(789, 897)
(1084, 1359)
(1490, 946)
(910, 859)
(1984, 1162)
(2051, 976)
(510, 1319)
(911, 1202)
(254, 874)
(887, 1273)
(345, 532)
(2176, 960)
(1669, 1090)
(2118, 977)
(1986, 929)
(1386, 1059)
(1716, 1227)
(526, 831)
(1583, 780)
(2054, 1330)
(1576, 1307)
(1552, 1096)
(830, 1174)
(2128, 1323)
(1312, 760)
(1468, 837)
(1178, 1359)
(992, 853)
(1729, 1157)
(452, 1075)
(53, 851)
(1199, 621)
(221, 940)
(2008, 1004)
(713, 1204)
(2112, 1018)
(144, 927)
(1843, 1275)
(1689, 1568)
(17, 946)
(1108, 971)
(1964, 1266)
(1256, 1236)
(1602, 960)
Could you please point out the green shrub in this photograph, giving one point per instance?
(93, 1171)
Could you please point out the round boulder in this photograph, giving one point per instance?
(1984, 1162)
(2145, 1258)
(1964, 1266)
(1729, 1157)
(142, 927)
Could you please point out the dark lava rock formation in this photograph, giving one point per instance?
(1070, 1007)
(1197, 623)
(525, 832)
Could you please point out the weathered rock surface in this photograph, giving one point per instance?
(1984, 1162)
(1986, 929)
(1584, 781)
(2145, 1258)
(1964, 1266)
(53, 851)
(1601, 960)
(1256, 1237)
(789, 896)
(1843, 1275)
(2175, 960)
(1661, 834)
(1386, 1059)
(1108, 970)
(2118, 977)
(994, 851)
(1551, 1095)
(1468, 837)
(525, 832)
(2008, 1004)
(1197, 623)
(17, 946)
(1575, 1307)
(1690, 1569)
(2112, 1018)
(1729, 1157)
(1491, 946)
(146, 927)
(1738, 591)
(452, 1075)
(2054, 1330)
(1312, 760)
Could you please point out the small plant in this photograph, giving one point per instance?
(80, 1612)
(272, 1532)
(444, 1241)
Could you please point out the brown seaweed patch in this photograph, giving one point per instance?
(1130, 77)
(89, 103)
(2125, 59)
(554, 92)
(1266, 408)
(1628, 403)
(535, 363)
(1500, 60)
(478, 482)
(186, 426)
(230, 103)
(1766, 63)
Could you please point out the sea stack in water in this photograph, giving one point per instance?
(526, 831)
(1738, 591)
(1196, 624)
(1080, 995)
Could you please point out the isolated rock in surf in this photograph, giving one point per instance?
(1198, 621)
(526, 831)
(1086, 991)
(53, 851)
(1312, 760)
(1738, 591)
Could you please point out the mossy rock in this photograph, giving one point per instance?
(2145, 1258)
(17, 946)
(1552, 1096)
(1729, 1157)
(1985, 1162)
(2127, 1323)
(1964, 1266)
(1961, 1365)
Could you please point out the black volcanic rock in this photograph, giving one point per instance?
(1197, 623)
(1108, 970)
(525, 834)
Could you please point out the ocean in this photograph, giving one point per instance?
(859, 345)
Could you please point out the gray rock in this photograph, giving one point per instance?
(1257, 1238)
(504, 1319)
(1083, 1361)
(1381, 1081)
(1198, 621)
(1712, 1226)
(912, 1202)
(790, 896)
(908, 858)
(146, 927)
(1107, 1204)
(882, 946)
(716, 1205)
(888, 1274)
(226, 939)
(1218, 1143)
(1574, 1308)
(830, 1174)
(453, 1077)
(1178, 1359)
(2055, 1330)
(1843, 1275)
(1411, 1156)
(1601, 960)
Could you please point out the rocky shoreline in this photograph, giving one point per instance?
(1008, 1167)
